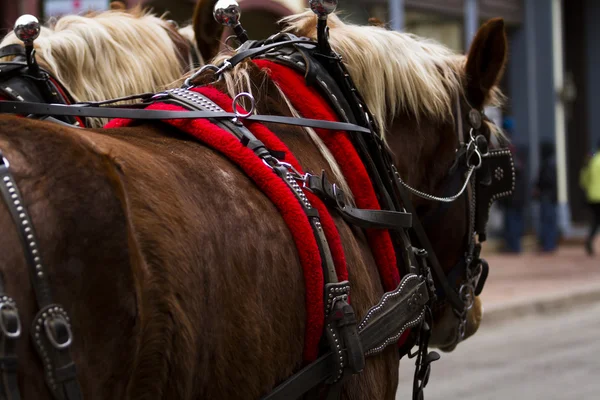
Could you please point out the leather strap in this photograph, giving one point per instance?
(397, 310)
(250, 53)
(16, 107)
(378, 219)
(51, 332)
(12, 50)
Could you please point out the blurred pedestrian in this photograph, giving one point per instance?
(590, 182)
(546, 191)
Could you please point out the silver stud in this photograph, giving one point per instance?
(6, 179)
(40, 274)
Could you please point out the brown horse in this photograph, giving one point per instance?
(181, 279)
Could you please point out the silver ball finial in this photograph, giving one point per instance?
(227, 12)
(323, 7)
(27, 28)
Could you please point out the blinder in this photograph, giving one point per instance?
(494, 180)
(19, 82)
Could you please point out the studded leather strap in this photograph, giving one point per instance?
(51, 330)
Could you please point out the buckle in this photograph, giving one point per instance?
(342, 333)
(58, 331)
(10, 323)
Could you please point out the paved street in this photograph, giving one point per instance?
(539, 357)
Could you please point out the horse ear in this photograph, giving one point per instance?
(486, 61)
(118, 6)
(208, 32)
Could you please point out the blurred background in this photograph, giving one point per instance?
(542, 299)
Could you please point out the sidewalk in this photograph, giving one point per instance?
(529, 283)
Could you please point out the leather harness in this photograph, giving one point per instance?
(350, 341)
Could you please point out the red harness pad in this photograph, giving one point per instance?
(311, 104)
(281, 196)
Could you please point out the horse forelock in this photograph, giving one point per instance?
(109, 54)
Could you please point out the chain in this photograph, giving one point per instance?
(427, 196)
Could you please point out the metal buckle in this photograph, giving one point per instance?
(276, 163)
(50, 335)
(5, 305)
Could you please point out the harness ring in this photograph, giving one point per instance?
(234, 105)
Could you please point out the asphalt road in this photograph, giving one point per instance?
(550, 357)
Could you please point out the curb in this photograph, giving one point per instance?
(541, 305)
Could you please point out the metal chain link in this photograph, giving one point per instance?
(427, 196)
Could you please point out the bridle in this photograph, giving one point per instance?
(472, 154)
(425, 283)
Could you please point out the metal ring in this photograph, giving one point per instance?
(235, 102)
(228, 39)
(5, 162)
(8, 306)
(488, 146)
(52, 339)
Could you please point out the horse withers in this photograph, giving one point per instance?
(181, 278)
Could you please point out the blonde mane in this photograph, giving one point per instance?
(109, 54)
(395, 72)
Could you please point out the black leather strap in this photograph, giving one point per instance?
(16, 107)
(12, 50)
(256, 51)
(51, 332)
(335, 197)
